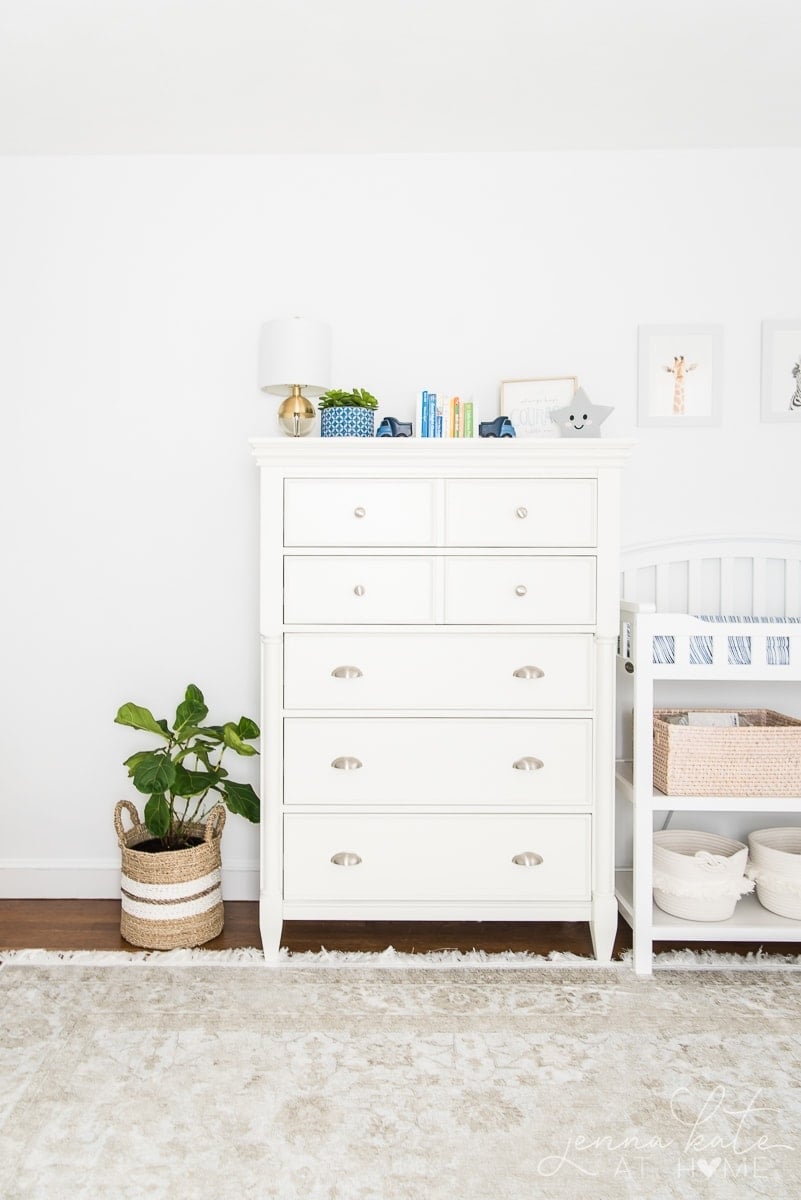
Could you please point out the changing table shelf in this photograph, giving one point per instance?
(660, 802)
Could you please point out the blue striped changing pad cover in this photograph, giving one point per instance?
(777, 652)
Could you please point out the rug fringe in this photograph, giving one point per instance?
(695, 960)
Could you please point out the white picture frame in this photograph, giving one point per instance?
(781, 371)
(679, 375)
(528, 403)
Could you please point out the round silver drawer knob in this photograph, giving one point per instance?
(528, 859)
(345, 858)
(521, 589)
(359, 590)
(360, 512)
(346, 763)
(529, 673)
(528, 763)
(346, 673)
(521, 512)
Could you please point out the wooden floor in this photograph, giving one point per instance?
(95, 925)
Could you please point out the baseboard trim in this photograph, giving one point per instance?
(99, 879)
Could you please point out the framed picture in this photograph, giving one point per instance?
(679, 375)
(781, 371)
(528, 403)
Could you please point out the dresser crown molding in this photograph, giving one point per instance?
(438, 624)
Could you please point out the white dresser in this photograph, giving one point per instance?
(438, 626)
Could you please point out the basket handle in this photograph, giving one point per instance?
(215, 823)
(710, 862)
(132, 813)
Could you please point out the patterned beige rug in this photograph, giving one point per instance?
(304, 1083)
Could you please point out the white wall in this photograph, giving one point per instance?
(131, 294)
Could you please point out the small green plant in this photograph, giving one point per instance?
(336, 398)
(178, 776)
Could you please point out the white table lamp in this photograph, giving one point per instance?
(295, 356)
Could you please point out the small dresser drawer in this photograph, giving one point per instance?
(358, 512)
(486, 763)
(531, 672)
(358, 591)
(520, 512)
(430, 858)
(520, 591)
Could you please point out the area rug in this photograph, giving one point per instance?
(306, 1083)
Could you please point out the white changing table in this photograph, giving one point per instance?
(661, 585)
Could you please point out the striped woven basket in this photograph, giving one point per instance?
(174, 898)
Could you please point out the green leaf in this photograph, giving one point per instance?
(241, 798)
(157, 815)
(154, 773)
(140, 718)
(133, 762)
(234, 742)
(193, 693)
(213, 732)
(247, 728)
(192, 783)
(187, 716)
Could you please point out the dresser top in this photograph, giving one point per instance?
(391, 454)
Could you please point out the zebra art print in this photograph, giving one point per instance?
(795, 402)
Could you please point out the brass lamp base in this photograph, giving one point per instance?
(296, 414)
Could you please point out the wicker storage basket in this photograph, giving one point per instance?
(776, 866)
(174, 898)
(697, 875)
(762, 758)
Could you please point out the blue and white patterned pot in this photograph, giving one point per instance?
(346, 422)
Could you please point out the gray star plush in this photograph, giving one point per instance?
(581, 418)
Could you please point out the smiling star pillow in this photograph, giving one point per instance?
(580, 418)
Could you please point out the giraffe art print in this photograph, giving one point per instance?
(679, 371)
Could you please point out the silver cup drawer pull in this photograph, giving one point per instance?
(521, 512)
(346, 763)
(359, 590)
(346, 858)
(521, 590)
(528, 763)
(346, 673)
(529, 673)
(528, 859)
(360, 512)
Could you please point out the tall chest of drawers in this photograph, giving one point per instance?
(438, 631)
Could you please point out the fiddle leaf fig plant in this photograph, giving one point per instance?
(336, 398)
(180, 774)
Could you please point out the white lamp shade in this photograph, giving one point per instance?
(294, 351)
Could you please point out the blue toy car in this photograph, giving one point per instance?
(500, 427)
(390, 427)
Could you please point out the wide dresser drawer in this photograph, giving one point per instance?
(396, 857)
(340, 671)
(509, 590)
(520, 512)
(352, 590)
(358, 512)
(489, 763)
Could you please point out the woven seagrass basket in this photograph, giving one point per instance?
(170, 899)
(762, 758)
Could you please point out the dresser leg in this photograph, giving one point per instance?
(270, 928)
(603, 926)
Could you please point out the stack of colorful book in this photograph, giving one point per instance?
(441, 418)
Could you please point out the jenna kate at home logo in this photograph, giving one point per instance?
(709, 1135)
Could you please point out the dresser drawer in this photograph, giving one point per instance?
(489, 763)
(443, 671)
(358, 591)
(436, 857)
(520, 591)
(520, 512)
(358, 512)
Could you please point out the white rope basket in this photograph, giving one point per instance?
(776, 867)
(699, 876)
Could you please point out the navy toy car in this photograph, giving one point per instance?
(500, 427)
(390, 427)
